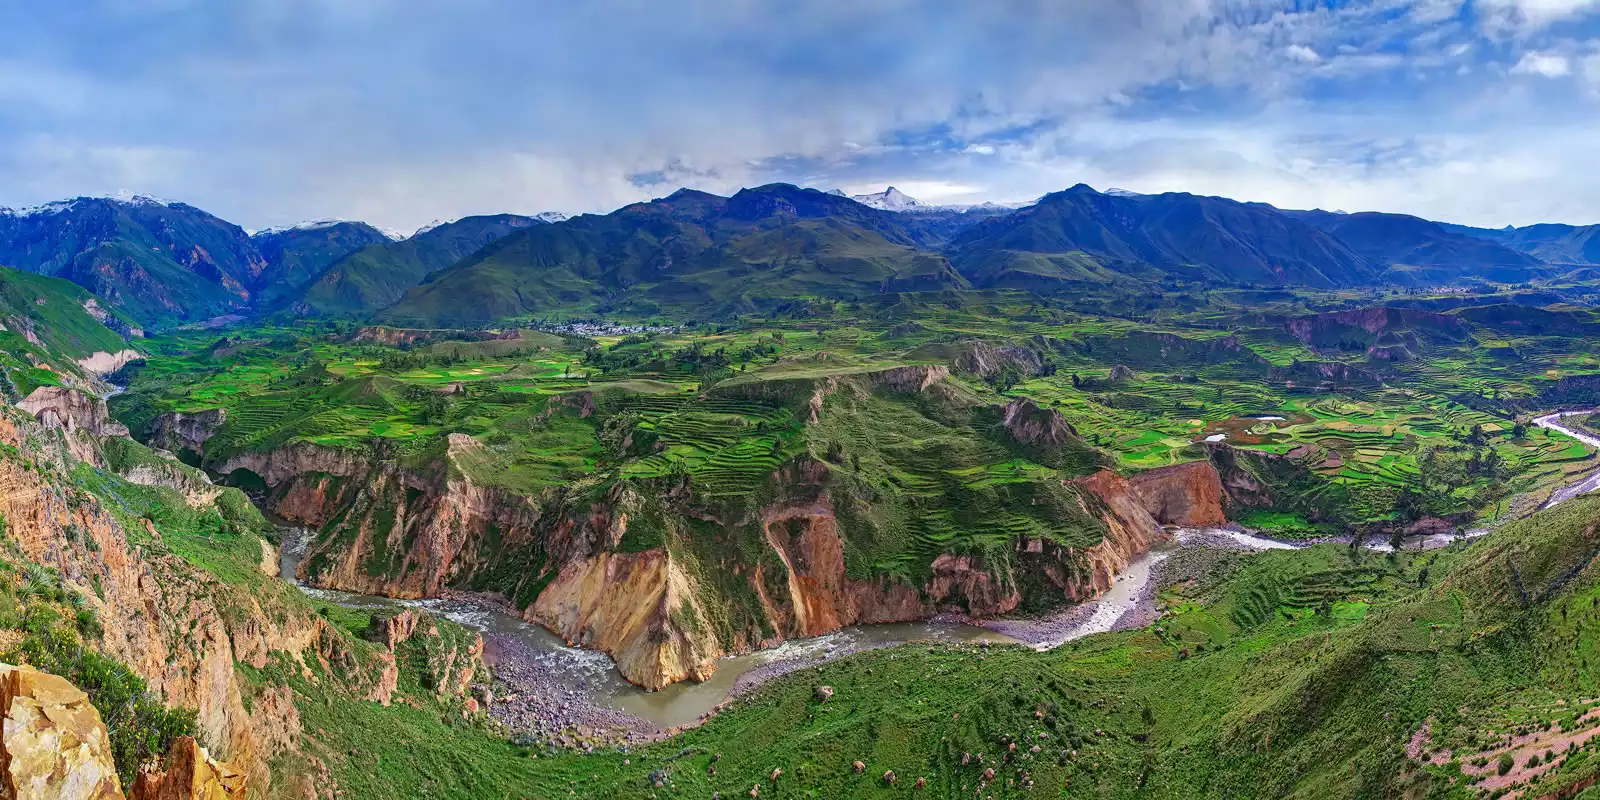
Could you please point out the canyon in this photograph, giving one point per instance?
(409, 531)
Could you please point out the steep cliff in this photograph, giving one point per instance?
(179, 432)
(668, 574)
(1187, 495)
(171, 621)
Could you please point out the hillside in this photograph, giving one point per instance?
(1414, 251)
(299, 253)
(1555, 244)
(687, 252)
(161, 262)
(53, 332)
(1083, 236)
(376, 275)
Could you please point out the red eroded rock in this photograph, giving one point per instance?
(1188, 495)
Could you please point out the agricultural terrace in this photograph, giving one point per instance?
(1428, 411)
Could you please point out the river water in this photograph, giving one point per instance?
(591, 677)
(1588, 484)
(592, 672)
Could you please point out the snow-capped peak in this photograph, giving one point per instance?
(550, 216)
(311, 225)
(1115, 192)
(890, 199)
(438, 223)
(61, 206)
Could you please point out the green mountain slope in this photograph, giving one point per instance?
(1414, 251)
(690, 251)
(376, 275)
(161, 262)
(296, 255)
(1083, 236)
(1553, 243)
(49, 324)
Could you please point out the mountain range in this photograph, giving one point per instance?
(168, 263)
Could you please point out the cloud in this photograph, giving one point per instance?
(1549, 65)
(268, 112)
(1301, 53)
(1534, 13)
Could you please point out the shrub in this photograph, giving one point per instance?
(1506, 763)
(141, 729)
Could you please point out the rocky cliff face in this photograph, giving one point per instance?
(174, 625)
(562, 559)
(71, 410)
(191, 774)
(54, 744)
(1187, 495)
(102, 363)
(179, 432)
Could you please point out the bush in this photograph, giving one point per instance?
(1505, 764)
(141, 729)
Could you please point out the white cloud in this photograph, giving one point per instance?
(1549, 65)
(404, 112)
(1534, 13)
(1301, 53)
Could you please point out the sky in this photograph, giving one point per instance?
(400, 112)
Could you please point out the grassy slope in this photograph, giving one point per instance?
(1300, 674)
(65, 331)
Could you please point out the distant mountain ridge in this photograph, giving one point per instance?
(299, 253)
(756, 249)
(1081, 235)
(1549, 242)
(1413, 251)
(165, 263)
(373, 276)
(159, 260)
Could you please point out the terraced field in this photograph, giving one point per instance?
(1148, 394)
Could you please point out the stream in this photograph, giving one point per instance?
(567, 688)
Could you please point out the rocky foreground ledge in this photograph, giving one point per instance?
(55, 746)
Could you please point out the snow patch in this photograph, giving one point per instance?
(63, 206)
(312, 225)
(890, 199)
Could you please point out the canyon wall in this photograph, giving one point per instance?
(566, 560)
(172, 623)
(1188, 495)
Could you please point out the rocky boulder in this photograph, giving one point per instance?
(1187, 495)
(1030, 424)
(54, 745)
(190, 774)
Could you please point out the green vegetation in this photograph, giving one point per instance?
(1285, 673)
(44, 329)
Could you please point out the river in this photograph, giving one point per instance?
(592, 674)
(582, 688)
(1588, 484)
